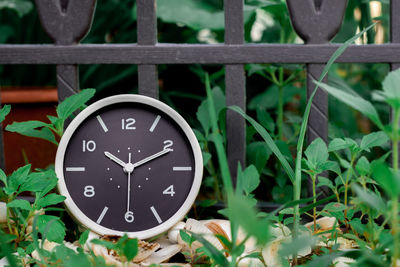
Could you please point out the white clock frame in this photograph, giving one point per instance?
(73, 209)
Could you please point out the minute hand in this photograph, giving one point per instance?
(140, 162)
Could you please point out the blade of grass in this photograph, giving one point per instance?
(217, 138)
(268, 140)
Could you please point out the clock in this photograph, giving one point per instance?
(129, 164)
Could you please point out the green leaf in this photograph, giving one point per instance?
(317, 152)
(356, 102)
(265, 119)
(80, 259)
(186, 237)
(334, 207)
(190, 13)
(51, 227)
(296, 245)
(206, 157)
(4, 112)
(3, 177)
(329, 166)
(18, 177)
(373, 139)
(357, 225)
(268, 140)
(386, 178)
(249, 179)
(72, 103)
(131, 249)
(108, 244)
(242, 212)
(22, 7)
(20, 203)
(50, 199)
(322, 181)
(369, 198)
(40, 181)
(391, 88)
(216, 255)
(207, 203)
(195, 14)
(258, 154)
(363, 166)
(30, 128)
(338, 144)
(203, 110)
(84, 237)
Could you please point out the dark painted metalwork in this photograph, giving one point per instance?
(147, 35)
(66, 22)
(317, 25)
(235, 81)
(195, 54)
(316, 21)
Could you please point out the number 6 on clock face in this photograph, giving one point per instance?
(129, 164)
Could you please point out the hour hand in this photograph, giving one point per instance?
(115, 159)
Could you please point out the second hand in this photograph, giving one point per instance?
(129, 184)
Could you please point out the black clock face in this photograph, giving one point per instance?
(129, 167)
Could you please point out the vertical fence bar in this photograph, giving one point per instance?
(67, 81)
(147, 35)
(235, 86)
(318, 120)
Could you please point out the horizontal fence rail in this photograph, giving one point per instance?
(194, 54)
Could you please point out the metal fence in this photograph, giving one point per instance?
(316, 22)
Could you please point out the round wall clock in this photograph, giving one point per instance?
(129, 164)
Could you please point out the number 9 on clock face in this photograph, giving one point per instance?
(129, 164)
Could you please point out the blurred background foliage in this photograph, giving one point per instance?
(275, 93)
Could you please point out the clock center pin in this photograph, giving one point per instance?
(129, 167)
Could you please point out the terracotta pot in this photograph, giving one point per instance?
(28, 103)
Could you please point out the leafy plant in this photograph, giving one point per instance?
(53, 130)
(385, 176)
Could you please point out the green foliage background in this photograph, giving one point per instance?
(181, 86)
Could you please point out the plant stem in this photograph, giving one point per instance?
(346, 185)
(395, 212)
(314, 178)
(395, 199)
(214, 175)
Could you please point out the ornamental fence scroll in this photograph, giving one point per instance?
(315, 21)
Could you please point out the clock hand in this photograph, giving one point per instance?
(140, 162)
(129, 186)
(115, 159)
(129, 214)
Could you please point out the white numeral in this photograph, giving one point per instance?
(89, 191)
(168, 144)
(89, 146)
(129, 216)
(127, 124)
(169, 191)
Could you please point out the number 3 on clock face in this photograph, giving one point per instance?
(129, 164)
